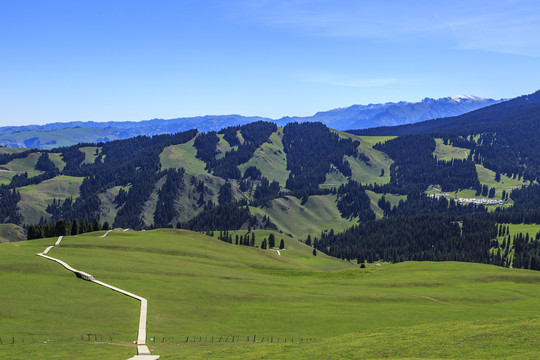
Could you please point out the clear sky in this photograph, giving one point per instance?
(78, 60)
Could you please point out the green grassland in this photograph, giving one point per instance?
(18, 166)
(487, 177)
(270, 159)
(317, 214)
(182, 156)
(90, 153)
(295, 251)
(56, 158)
(11, 232)
(35, 198)
(449, 152)
(369, 173)
(201, 287)
(223, 146)
(392, 198)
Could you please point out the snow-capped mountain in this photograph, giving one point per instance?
(396, 113)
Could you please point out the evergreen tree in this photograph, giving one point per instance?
(282, 244)
(95, 225)
(271, 241)
(74, 227)
(314, 252)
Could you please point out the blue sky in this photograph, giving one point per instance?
(135, 60)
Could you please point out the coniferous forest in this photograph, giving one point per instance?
(236, 186)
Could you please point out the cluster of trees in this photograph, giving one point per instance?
(526, 252)
(165, 209)
(45, 164)
(64, 227)
(415, 167)
(311, 149)
(254, 135)
(433, 237)
(352, 202)
(8, 205)
(249, 240)
(526, 249)
(133, 162)
(221, 217)
(420, 203)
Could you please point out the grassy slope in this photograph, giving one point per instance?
(393, 199)
(19, 166)
(317, 214)
(270, 159)
(449, 152)
(11, 232)
(361, 171)
(223, 146)
(35, 198)
(295, 251)
(487, 177)
(56, 158)
(182, 156)
(201, 287)
(90, 153)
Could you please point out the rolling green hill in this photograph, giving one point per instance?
(198, 288)
(319, 213)
(35, 198)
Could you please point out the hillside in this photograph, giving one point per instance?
(301, 180)
(202, 292)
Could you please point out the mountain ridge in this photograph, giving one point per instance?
(59, 134)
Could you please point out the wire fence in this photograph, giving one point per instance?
(180, 339)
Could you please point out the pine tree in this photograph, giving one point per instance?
(74, 227)
(95, 225)
(314, 252)
(281, 245)
(271, 241)
(263, 244)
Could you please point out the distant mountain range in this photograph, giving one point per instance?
(354, 117)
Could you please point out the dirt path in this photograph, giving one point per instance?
(142, 350)
(107, 233)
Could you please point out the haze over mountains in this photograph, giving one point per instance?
(354, 117)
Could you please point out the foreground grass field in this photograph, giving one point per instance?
(199, 287)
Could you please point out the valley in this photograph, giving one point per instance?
(388, 237)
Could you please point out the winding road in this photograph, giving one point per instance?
(143, 353)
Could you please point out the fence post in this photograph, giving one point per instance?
(254, 338)
(13, 339)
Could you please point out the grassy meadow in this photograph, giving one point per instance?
(199, 287)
